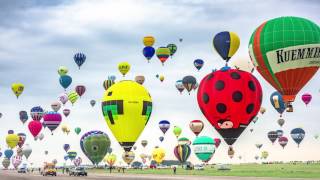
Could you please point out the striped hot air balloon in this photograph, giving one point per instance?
(182, 152)
(52, 120)
(79, 59)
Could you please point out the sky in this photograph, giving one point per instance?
(38, 36)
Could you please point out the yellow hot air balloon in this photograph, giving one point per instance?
(62, 70)
(124, 68)
(161, 78)
(128, 157)
(12, 140)
(110, 159)
(126, 107)
(17, 88)
(148, 40)
(158, 155)
(73, 97)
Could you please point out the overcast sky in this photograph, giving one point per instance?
(38, 36)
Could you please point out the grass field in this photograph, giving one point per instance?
(245, 170)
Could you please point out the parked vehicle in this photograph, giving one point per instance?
(22, 170)
(78, 171)
(198, 167)
(49, 169)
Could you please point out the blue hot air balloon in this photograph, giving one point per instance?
(164, 125)
(66, 157)
(226, 44)
(198, 63)
(277, 102)
(0, 154)
(65, 81)
(161, 138)
(79, 58)
(297, 135)
(8, 153)
(148, 52)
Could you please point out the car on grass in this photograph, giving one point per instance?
(78, 171)
(22, 170)
(198, 167)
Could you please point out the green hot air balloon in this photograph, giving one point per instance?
(95, 145)
(177, 131)
(173, 48)
(77, 130)
(204, 148)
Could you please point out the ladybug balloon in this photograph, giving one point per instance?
(229, 99)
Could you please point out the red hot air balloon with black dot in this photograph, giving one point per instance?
(229, 99)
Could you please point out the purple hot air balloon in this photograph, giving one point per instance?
(36, 113)
(22, 139)
(80, 89)
(77, 162)
(66, 112)
(16, 161)
(63, 98)
(66, 147)
(52, 120)
(306, 98)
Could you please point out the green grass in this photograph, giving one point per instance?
(247, 170)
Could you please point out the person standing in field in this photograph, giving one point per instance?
(174, 169)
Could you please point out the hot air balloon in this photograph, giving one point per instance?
(66, 112)
(16, 161)
(256, 157)
(52, 120)
(259, 146)
(107, 83)
(17, 88)
(79, 59)
(161, 78)
(77, 162)
(217, 142)
(26, 151)
(251, 130)
(40, 136)
(195, 87)
(55, 106)
(182, 152)
(66, 147)
(126, 107)
(306, 98)
(23, 116)
(124, 68)
(204, 148)
(277, 102)
(63, 98)
(112, 78)
(148, 40)
(128, 157)
(139, 79)
(95, 145)
(110, 159)
(148, 52)
(6, 162)
(72, 155)
(62, 70)
(134, 148)
(297, 135)
(229, 99)
(8, 153)
(164, 125)
(158, 155)
(179, 86)
(262, 110)
(255, 119)
(77, 130)
(80, 89)
(12, 140)
(46, 152)
(34, 128)
(92, 102)
(231, 152)
(316, 136)
(144, 143)
(163, 53)
(279, 133)
(198, 63)
(272, 135)
(196, 126)
(226, 44)
(109, 150)
(285, 54)
(264, 154)
(73, 97)
(281, 122)
(283, 141)
(0, 115)
(173, 49)
(177, 131)
(36, 113)
(22, 139)
(189, 82)
(65, 81)
(183, 140)
(161, 138)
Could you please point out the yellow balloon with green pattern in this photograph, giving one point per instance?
(126, 107)
(73, 97)
(17, 88)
